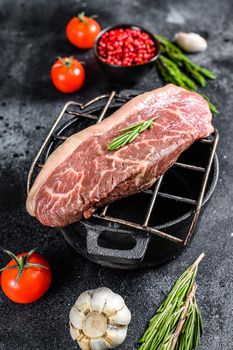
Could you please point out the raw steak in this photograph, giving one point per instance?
(81, 174)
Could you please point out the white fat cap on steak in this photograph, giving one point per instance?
(69, 146)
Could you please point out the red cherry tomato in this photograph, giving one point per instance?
(33, 282)
(81, 31)
(68, 74)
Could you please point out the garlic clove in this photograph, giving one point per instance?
(98, 344)
(191, 42)
(76, 317)
(73, 332)
(83, 302)
(114, 303)
(115, 335)
(121, 317)
(84, 343)
(99, 298)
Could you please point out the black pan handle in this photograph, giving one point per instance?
(122, 256)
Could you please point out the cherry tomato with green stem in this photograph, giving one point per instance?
(81, 31)
(68, 74)
(26, 277)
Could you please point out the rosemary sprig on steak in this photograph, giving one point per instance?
(177, 325)
(129, 134)
(175, 67)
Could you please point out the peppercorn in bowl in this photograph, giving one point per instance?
(126, 52)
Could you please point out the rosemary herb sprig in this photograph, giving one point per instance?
(175, 67)
(129, 134)
(177, 324)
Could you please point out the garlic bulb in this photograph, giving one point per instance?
(99, 319)
(191, 42)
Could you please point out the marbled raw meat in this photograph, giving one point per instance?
(82, 175)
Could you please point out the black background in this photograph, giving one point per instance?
(31, 36)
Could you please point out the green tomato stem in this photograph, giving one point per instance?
(22, 263)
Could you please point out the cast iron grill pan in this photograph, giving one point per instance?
(148, 228)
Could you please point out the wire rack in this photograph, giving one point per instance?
(87, 110)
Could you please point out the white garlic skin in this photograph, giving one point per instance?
(106, 312)
(191, 42)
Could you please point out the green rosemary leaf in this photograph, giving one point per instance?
(133, 131)
(213, 108)
(146, 125)
(204, 71)
(211, 105)
(177, 324)
(196, 75)
(133, 137)
(175, 67)
(132, 126)
(178, 76)
(192, 330)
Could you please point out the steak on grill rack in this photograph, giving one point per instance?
(82, 175)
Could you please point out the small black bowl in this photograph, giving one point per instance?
(127, 73)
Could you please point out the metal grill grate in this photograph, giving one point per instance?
(87, 110)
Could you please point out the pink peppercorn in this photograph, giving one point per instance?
(126, 47)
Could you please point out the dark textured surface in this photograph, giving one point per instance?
(31, 36)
